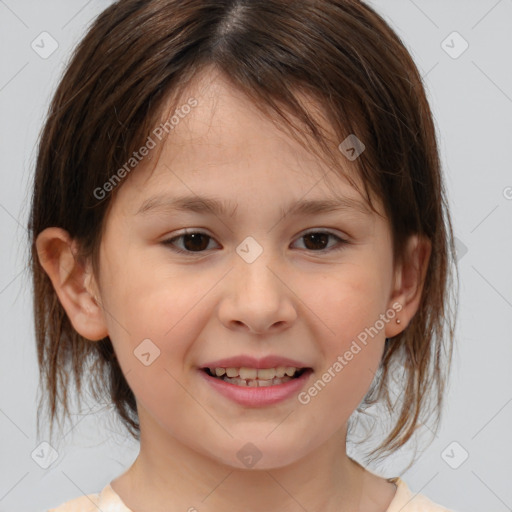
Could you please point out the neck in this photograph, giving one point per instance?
(168, 476)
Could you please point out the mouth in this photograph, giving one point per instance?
(256, 377)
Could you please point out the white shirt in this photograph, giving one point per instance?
(109, 501)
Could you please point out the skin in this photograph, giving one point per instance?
(296, 299)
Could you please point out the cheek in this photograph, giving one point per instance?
(158, 311)
(155, 317)
(350, 333)
(346, 302)
(157, 326)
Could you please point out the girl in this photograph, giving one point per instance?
(295, 141)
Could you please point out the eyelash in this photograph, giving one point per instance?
(341, 242)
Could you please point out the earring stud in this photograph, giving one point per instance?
(398, 320)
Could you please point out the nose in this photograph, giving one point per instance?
(257, 298)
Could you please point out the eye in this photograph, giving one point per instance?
(197, 241)
(319, 239)
(194, 241)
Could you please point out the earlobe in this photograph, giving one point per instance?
(72, 281)
(408, 283)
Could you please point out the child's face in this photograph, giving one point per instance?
(296, 300)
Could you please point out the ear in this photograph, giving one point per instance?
(408, 283)
(73, 282)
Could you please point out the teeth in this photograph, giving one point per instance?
(249, 373)
(254, 383)
(280, 371)
(255, 377)
(253, 373)
(266, 373)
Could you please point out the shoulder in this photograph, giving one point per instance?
(106, 501)
(407, 501)
(80, 504)
(86, 503)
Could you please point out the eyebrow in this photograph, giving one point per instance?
(213, 206)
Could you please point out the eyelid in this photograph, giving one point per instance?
(187, 231)
(342, 240)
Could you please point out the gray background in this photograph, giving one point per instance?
(471, 97)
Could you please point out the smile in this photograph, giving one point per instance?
(256, 377)
(248, 387)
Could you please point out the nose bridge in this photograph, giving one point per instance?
(258, 299)
(253, 267)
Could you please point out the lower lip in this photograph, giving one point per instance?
(256, 396)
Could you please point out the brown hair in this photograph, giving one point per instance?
(342, 54)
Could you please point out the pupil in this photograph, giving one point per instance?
(315, 236)
(195, 237)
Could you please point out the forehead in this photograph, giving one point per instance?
(226, 142)
(226, 124)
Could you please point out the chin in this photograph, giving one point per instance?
(254, 456)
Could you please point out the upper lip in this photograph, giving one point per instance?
(246, 361)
